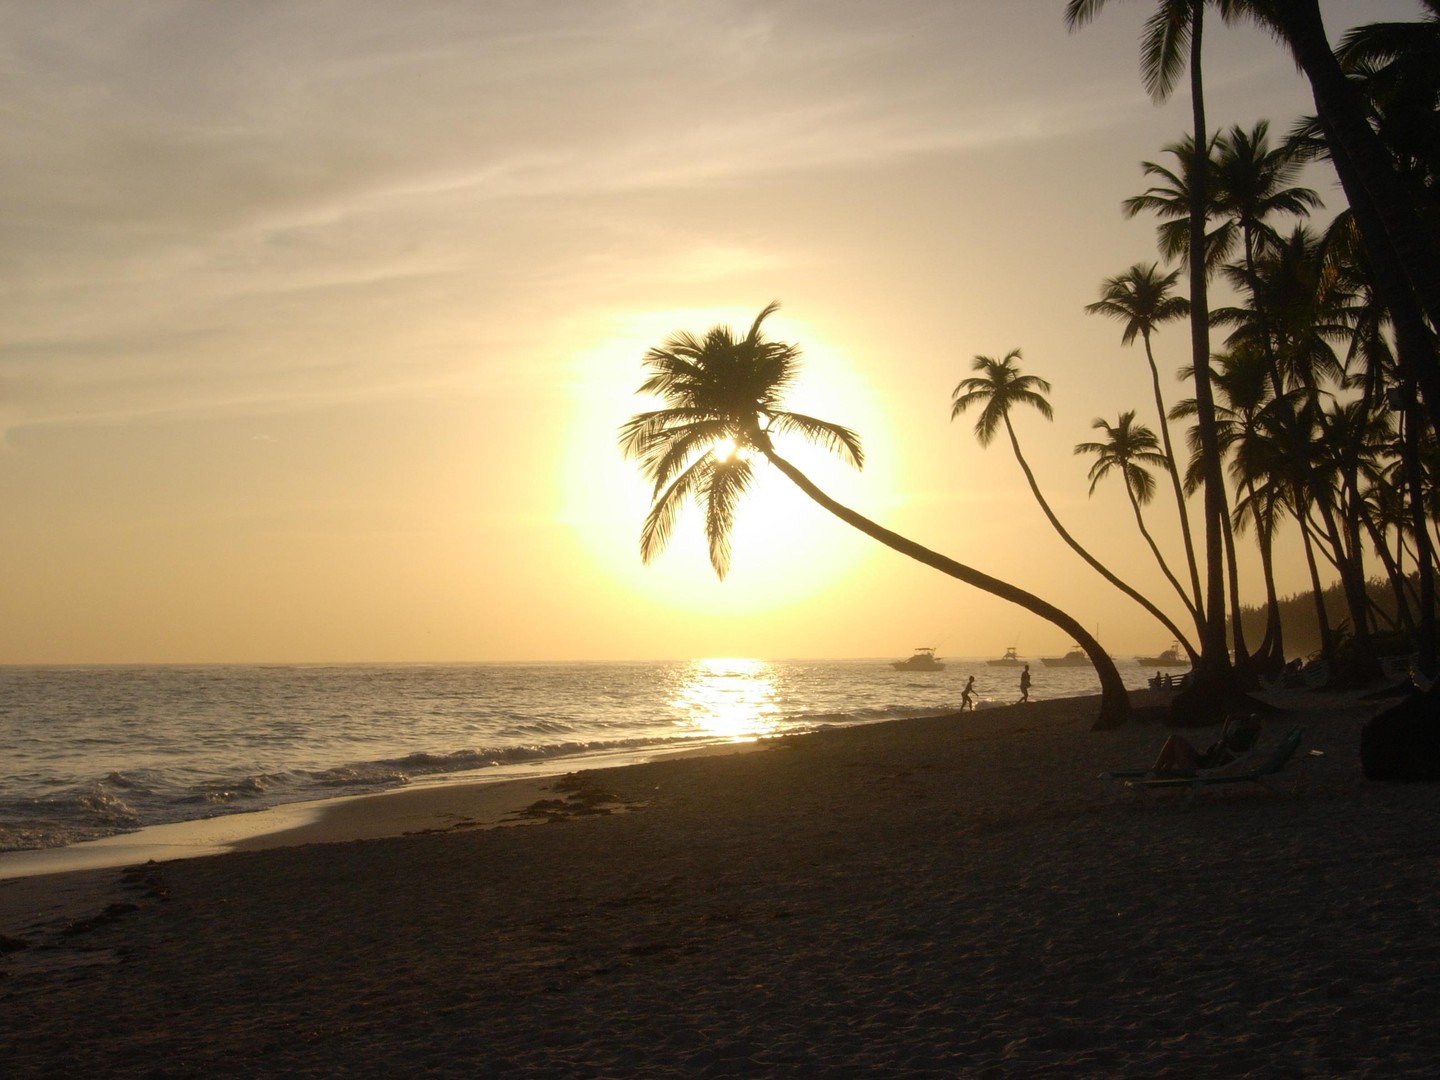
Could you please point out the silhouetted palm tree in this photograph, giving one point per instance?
(1403, 241)
(1254, 182)
(1169, 198)
(1127, 449)
(1141, 300)
(1396, 65)
(1301, 311)
(1173, 37)
(1001, 387)
(724, 392)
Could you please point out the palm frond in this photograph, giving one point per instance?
(833, 437)
(1163, 48)
(1080, 12)
(1141, 483)
(660, 521)
(728, 480)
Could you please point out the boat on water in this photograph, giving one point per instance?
(1076, 657)
(1171, 657)
(923, 660)
(1010, 659)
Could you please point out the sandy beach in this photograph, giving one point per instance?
(947, 897)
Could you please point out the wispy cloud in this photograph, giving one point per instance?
(229, 200)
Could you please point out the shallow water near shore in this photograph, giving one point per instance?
(95, 751)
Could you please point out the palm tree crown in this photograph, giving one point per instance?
(723, 399)
(1000, 387)
(1141, 300)
(1128, 448)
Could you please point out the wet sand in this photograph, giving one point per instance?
(956, 896)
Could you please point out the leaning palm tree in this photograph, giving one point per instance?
(1001, 387)
(1141, 300)
(721, 391)
(1128, 448)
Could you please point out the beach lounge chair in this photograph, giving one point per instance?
(1238, 739)
(1263, 774)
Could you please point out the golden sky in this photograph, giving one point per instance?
(320, 316)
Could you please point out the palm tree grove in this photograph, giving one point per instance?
(1303, 408)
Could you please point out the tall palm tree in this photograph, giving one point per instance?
(1397, 67)
(1128, 448)
(1244, 388)
(1402, 242)
(721, 391)
(999, 388)
(1246, 425)
(1301, 306)
(1141, 299)
(1173, 37)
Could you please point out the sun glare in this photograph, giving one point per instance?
(728, 698)
(725, 450)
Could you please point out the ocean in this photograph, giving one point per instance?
(93, 751)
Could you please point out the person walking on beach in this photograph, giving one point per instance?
(967, 700)
(1024, 684)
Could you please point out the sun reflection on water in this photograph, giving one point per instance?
(728, 698)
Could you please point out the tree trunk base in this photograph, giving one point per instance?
(1113, 714)
(1211, 698)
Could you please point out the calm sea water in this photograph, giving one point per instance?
(93, 751)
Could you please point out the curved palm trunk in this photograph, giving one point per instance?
(1322, 620)
(1345, 543)
(1272, 649)
(1393, 572)
(1159, 558)
(1237, 630)
(1114, 699)
(1174, 480)
(1095, 563)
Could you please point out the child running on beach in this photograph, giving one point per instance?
(1024, 684)
(967, 699)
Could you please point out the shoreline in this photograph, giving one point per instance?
(432, 804)
(944, 896)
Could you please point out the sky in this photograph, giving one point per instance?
(320, 317)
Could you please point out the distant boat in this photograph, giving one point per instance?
(1171, 657)
(923, 660)
(1076, 657)
(1010, 659)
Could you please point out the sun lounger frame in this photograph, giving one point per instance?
(1263, 774)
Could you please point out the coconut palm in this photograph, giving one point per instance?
(1402, 242)
(997, 389)
(1258, 465)
(1128, 448)
(1348, 456)
(1141, 299)
(1254, 182)
(1302, 307)
(1397, 68)
(1169, 198)
(725, 392)
(1173, 37)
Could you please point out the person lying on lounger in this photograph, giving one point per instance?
(1179, 756)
